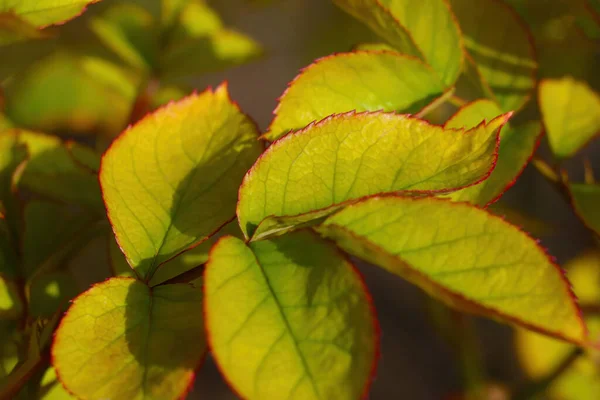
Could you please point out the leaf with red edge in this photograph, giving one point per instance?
(586, 200)
(289, 318)
(171, 180)
(517, 145)
(361, 81)
(465, 256)
(42, 13)
(124, 341)
(307, 174)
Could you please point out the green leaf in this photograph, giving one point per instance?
(502, 48)
(289, 318)
(15, 29)
(42, 13)
(123, 340)
(51, 292)
(84, 156)
(11, 305)
(425, 28)
(361, 81)
(171, 180)
(517, 145)
(50, 171)
(468, 258)
(586, 200)
(349, 156)
(571, 113)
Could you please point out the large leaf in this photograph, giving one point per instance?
(407, 23)
(586, 200)
(571, 112)
(465, 256)
(517, 144)
(349, 156)
(171, 180)
(289, 318)
(123, 340)
(361, 81)
(42, 13)
(502, 48)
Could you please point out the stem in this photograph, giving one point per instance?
(436, 103)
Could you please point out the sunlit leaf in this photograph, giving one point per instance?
(517, 145)
(571, 112)
(464, 256)
(586, 199)
(11, 304)
(502, 48)
(361, 81)
(171, 180)
(123, 340)
(349, 156)
(51, 292)
(51, 388)
(289, 318)
(42, 13)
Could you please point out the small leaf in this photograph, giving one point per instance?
(349, 156)
(171, 180)
(123, 340)
(361, 81)
(42, 13)
(571, 112)
(501, 47)
(517, 144)
(470, 259)
(11, 305)
(586, 200)
(289, 318)
(407, 25)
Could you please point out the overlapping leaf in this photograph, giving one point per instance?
(571, 112)
(304, 175)
(361, 81)
(465, 256)
(517, 145)
(45, 12)
(123, 340)
(586, 200)
(289, 318)
(171, 180)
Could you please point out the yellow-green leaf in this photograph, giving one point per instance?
(51, 388)
(349, 156)
(13, 28)
(121, 340)
(517, 144)
(11, 304)
(42, 13)
(425, 28)
(289, 318)
(464, 256)
(171, 180)
(361, 81)
(501, 47)
(571, 112)
(586, 199)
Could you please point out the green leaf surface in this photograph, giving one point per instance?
(50, 171)
(501, 47)
(408, 25)
(51, 292)
(571, 113)
(84, 156)
(468, 258)
(361, 81)
(15, 29)
(123, 340)
(289, 318)
(350, 156)
(42, 13)
(171, 180)
(517, 145)
(586, 200)
(11, 305)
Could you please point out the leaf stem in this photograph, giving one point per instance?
(440, 101)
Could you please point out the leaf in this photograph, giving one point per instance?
(349, 156)
(51, 292)
(51, 171)
(162, 200)
(42, 13)
(571, 113)
(586, 201)
(15, 29)
(502, 48)
(11, 305)
(51, 388)
(289, 318)
(407, 25)
(517, 144)
(361, 81)
(84, 156)
(468, 258)
(123, 340)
